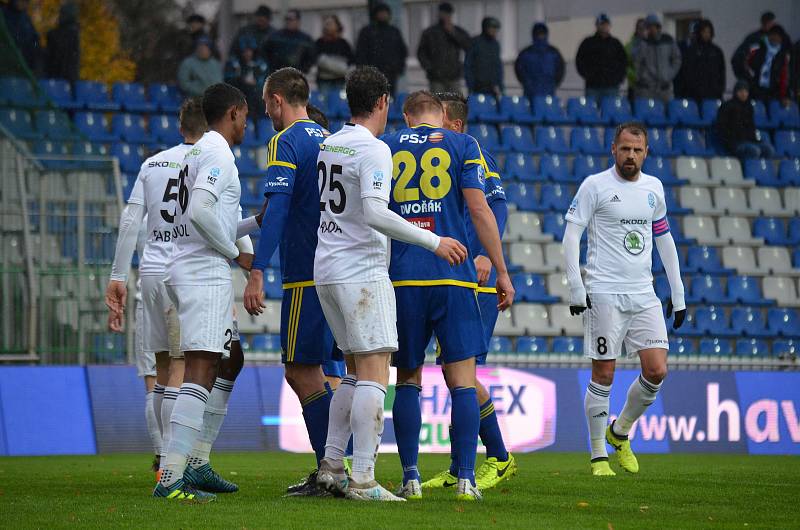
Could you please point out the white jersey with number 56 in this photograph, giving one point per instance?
(352, 165)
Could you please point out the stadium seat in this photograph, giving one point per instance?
(746, 290)
(131, 128)
(701, 228)
(616, 109)
(53, 157)
(783, 321)
(727, 170)
(521, 195)
(519, 139)
(693, 169)
(586, 140)
(264, 131)
(266, 343)
(250, 139)
(554, 223)
(736, 230)
(167, 97)
(772, 230)
(568, 345)
(651, 111)
(549, 110)
(518, 109)
(760, 117)
(710, 107)
(732, 201)
(775, 260)
(529, 256)
(487, 137)
(396, 106)
(246, 160)
(484, 108)
(94, 95)
(767, 201)
(272, 284)
(337, 105)
(789, 173)
(585, 165)
(715, 347)
(505, 325)
(165, 129)
(130, 157)
(535, 318)
(131, 98)
(551, 139)
(787, 143)
(785, 348)
(658, 143)
(697, 199)
(524, 226)
(54, 125)
(787, 116)
(792, 196)
(557, 285)
(500, 345)
(60, 92)
(94, 125)
(702, 259)
(752, 348)
(685, 112)
(520, 166)
(781, 289)
(554, 256)
(742, 259)
(18, 122)
(707, 289)
(531, 345)
(91, 149)
(661, 286)
(689, 142)
(681, 346)
(554, 167)
(555, 197)
(793, 236)
(532, 288)
(661, 167)
(713, 322)
(585, 111)
(20, 92)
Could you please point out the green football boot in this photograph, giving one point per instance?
(206, 479)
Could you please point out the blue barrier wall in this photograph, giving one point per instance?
(77, 410)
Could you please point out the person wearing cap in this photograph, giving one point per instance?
(751, 42)
(657, 61)
(199, 70)
(601, 61)
(736, 127)
(439, 51)
(483, 67)
(380, 44)
(289, 46)
(540, 66)
(255, 33)
(703, 66)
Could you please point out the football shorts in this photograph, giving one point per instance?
(205, 313)
(145, 361)
(634, 321)
(161, 331)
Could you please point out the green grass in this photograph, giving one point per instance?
(552, 490)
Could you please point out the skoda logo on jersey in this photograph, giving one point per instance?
(634, 242)
(651, 200)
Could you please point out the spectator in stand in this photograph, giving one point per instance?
(247, 72)
(256, 32)
(657, 61)
(767, 67)
(199, 70)
(681, 83)
(752, 42)
(637, 39)
(483, 67)
(601, 61)
(334, 55)
(439, 52)
(703, 66)
(796, 70)
(289, 46)
(20, 27)
(195, 30)
(63, 55)
(736, 128)
(540, 66)
(381, 45)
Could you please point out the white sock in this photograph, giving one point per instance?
(186, 423)
(366, 419)
(595, 404)
(641, 394)
(158, 398)
(167, 405)
(339, 429)
(214, 415)
(152, 422)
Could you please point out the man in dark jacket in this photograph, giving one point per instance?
(767, 67)
(439, 51)
(20, 27)
(703, 65)
(63, 46)
(601, 61)
(736, 128)
(289, 46)
(657, 62)
(257, 32)
(483, 67)
(540, 66)
(752, 41)
(381, 45)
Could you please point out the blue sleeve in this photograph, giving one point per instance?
(500, 210)
(281, 166)
(272, 229)
(473, 173)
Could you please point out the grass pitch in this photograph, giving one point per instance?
(552, 490)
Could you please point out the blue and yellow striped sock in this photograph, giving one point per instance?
(490, 433)
(316, 408)
(407, 419)
(465, 419)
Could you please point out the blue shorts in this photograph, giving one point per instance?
(449, 311)
(488, 305)
(335, 367)
(305, 335)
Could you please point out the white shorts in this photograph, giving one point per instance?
(162, 332)
(205, 313)
(632, 320)
(145, 361)
(362, 316)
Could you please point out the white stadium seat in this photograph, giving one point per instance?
(731, 200)
(524, 226)
(767, 201)
(529, 256)
(728, 170)
(736, 230)
(554, 256)
(535, 319)
(698, 199)
(776, 260)
(743, 259)
(791, 197)
(694, 169)
(561, 319)
(781, 289)
(271, 317)
(505, 325)
(701, 228)
(557, 285)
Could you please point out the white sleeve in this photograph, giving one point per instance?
(201, 215)
(669, 257)
(582, 207)
(137, 192)
(572, 255)
(129, 223)
(379, 217)
(215, 172)
(245, 245)
(246, 227)
(375, 172)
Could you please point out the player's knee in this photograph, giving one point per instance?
(603, 377)
(655, 374)
(413, 377)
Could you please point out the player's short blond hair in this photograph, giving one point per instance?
(422, 102)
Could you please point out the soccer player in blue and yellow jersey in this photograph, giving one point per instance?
(438, 174)
(291, 220)
(499, 464)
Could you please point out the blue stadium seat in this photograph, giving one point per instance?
(551, 139)
(337, 105)
(585, 165)
(616, 109)
(518, 109)
(47, 149)
(165, 129)
(796, 258)
(484, 108)
(689, 142)
(167, 97)
(771, 229)
(685, 112)
(94, 96)
(670, 196)
(520, 167)
(749, 322)
(94, 126)
(707, 289)
(752, 348)
(55, 125)
(651, 111)
(554, 197)
(554, 223)
(92, 149)
(319, 100)
(519, 139)
(793, 233)
(396, 106)
(265, 342)
(585, 111)
(554, 167)
(762, 135)
(710, 108)
(661, 286)
(785, 348)
(789, 172)
(784, 116)
(246, 160)
(60, 92)
(18, 122)
(500, 345)
(586, 140)
(787, 143)
(533, 345)
(130, 157)
(487, 137)
(549, 110)
(264, 131)
(715, 347)
(532, 288)
(784, 322)
(568, 345)
(250, 139)
(688, 328)
(658, 143)
(661, 167)
(705, 260)
(273, 287)
(130, 127)
(251, 198)
(762, 171)
(131, 97)
(108, 348)
(522, 195)
(760, 117)
(681, 346)
(712, 321)
(20, 92)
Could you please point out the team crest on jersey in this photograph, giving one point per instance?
(634, 242)
(651, 200)
(377, 180)
(573, 206)
(214, 171)
(481, 174)
(435, 137)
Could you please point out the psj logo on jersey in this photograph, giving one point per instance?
(415, 138)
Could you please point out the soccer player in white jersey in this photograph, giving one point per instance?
(351, 274)
(625, 212)
(198, 276)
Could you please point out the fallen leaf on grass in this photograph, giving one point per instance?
(610, 526)
(583, 504)
(504, 491)
(459, 508)
(643, 509)
(112, 509)
(234, 473)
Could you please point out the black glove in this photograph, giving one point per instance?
(680, 315)
(578, 309)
